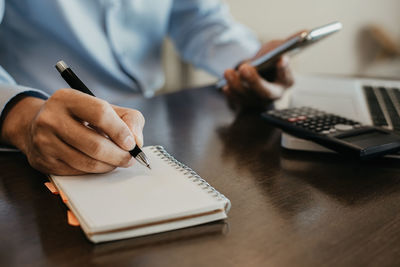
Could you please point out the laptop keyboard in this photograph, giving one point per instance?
(384, 106)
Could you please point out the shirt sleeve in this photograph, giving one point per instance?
(8, 87)
(205, 34)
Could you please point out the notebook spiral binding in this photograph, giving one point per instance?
(191, 174)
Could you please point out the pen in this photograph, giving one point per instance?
(75, 83)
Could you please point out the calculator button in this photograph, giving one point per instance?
(325, 132)
(343, 127)
(302, 117)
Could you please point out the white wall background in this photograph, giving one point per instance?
(339, 54)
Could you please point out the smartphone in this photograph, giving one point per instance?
(291, 46)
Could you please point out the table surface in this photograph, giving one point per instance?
(288, 208)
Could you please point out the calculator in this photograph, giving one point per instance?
(340, 134)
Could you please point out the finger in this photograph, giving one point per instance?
(99, 114)
(275, 90)
(234, 82)
(64, 169)
(91, 143)
(134, 120)
(78, 160)
(51, 147)
(254, 81)
(284, 74)
(51, 165)
(261, 87)
(233, 98)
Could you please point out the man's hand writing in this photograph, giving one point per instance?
(56, 138)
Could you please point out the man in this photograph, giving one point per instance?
(115, 46)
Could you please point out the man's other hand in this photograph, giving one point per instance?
(246, 88)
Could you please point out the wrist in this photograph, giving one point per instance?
(16, 124)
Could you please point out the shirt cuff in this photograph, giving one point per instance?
(9, 91)
(10, 97)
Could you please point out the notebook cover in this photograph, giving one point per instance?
(136, 201)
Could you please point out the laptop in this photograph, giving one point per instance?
(369, 101)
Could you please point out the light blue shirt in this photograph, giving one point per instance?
(113, 45)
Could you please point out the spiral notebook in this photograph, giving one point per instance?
(136, 201)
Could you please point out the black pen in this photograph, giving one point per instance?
(75, 83)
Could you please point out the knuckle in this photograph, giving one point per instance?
(120, 135)
(138, 117)
(95, 166)
(43, 120)
(92, 165)
(102, 106)
(95, 148)
(39, 140)
(102, 109)
(252, 82)
(124, 160)
(61, 94)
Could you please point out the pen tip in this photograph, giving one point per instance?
(148, 166)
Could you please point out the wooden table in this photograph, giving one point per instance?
(288, 208)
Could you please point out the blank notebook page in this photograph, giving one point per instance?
(133, 196)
